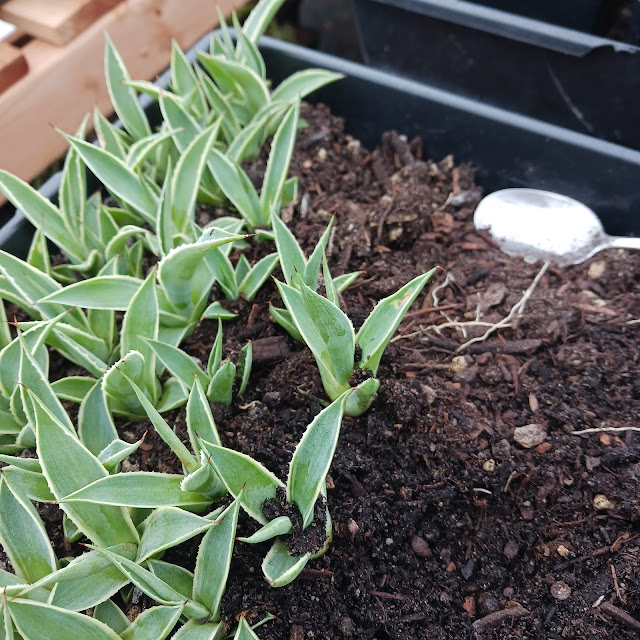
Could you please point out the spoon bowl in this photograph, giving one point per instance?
(542, 225)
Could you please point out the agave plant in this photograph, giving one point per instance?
(343, 357)
(127, 542)
(293, 261)
(252, 484)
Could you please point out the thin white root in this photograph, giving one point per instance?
(517, 309)
(601, 429)
(436, 302)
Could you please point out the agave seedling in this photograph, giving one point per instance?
(90, 234)
(46, 594)
(276, 189)
(219, 377)
(343, 357)
(252, 484)
(184, 281)
(293, 261)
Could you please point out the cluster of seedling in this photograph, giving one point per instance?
(123, 323)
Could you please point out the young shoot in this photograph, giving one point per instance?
(344, 357)
(252, 483)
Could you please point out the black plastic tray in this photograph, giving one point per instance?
(507, 149)
(583, 15)
(559, 75)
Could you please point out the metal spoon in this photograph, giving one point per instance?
(541, 225)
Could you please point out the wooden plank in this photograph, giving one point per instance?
(13, 65)
(57, 21)
(64, 83)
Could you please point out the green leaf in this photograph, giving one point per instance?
(85, 581)
(137, 489)
(200, 422)
(150, 89)
(222, 269)
(112, 615)
(38, 256)
(28, 464)
(178, 363)
(95, 424)
(329, 287)
(39, 621)
(312, 459)
(327, 332)
(188, 175)
(361, 397)
(103, 325)
(220, 387)
(59, 451)
(31, 285)
(214, 560)
(237, 186)
(154, 587)
(41, 213)
(101, 292)
(215, 357)
(117, 451)
(73, 388)
(343, 281)
(244, 367)
(220, 105)
(248, 143)
(239, 471)
(257, 276)
(249, 90)
(73, 188)
(302, 83)
(259, 18)
(174, 395)
(278, 164)
(153, 624)
(167, 527)
(277, 527)
(178, 577)
(141, 321)
(183, 78)
(67, 346)
(375, 333)
(280, 567)
(117, 388)
(164, 430)
(183, 124)
(124, 99)
(5, 332)
(284, 319)
(34, 379)
(23, 536)
(166, 227)
(289, 191)
(193, 630)
(242, 267)
(110, 138)
(176, 270)
(247, 52)
(216, 310)
(312, 267)
(244, 631)
(141, 149)
(31, 484)
(292, 259)
(117, 177)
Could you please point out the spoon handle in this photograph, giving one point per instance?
(620, 242)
